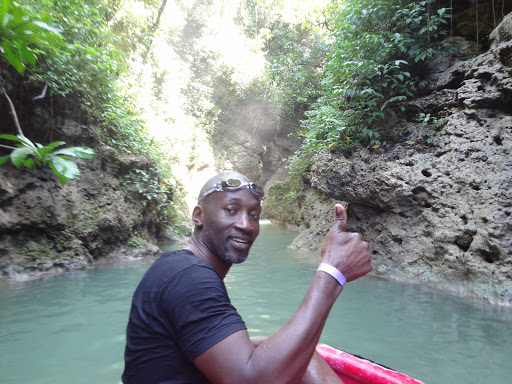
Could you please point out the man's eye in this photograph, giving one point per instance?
(230, 210)
(255, 215)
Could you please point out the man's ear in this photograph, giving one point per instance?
(197, 216)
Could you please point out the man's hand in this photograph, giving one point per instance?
(346, 251)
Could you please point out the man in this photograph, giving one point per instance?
(182, 326)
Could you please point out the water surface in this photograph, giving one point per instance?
(70, 328)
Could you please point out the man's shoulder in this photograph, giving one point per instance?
(172, 264)
(180, 259)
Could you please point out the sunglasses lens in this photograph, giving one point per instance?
(257, 189)
(233, 183)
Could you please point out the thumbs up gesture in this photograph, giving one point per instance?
(346, 251)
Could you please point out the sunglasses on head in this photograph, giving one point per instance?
(231, 185)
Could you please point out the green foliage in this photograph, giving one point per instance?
(36, 250)
(137, 241)
(283, 200)
(375, 49)
(21, 30)
(148, 185)
(430, 124)
(89, 63)
(151, 190)
(295, 54)
(160, 193)
(33, 155)
(281, 204)
(123, 127)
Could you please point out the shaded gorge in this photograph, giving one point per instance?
(70, 328)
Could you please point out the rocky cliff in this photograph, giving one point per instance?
(439, 215)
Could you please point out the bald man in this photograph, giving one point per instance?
(182, 326)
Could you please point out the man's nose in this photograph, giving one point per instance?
(244, 222)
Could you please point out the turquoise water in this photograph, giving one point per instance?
(70, 328)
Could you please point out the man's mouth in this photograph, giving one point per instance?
(240, 240)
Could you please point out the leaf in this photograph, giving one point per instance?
(44, 152)
(66, 168)
(34, 38)
(4, 159)
(19, 155)
(48, 27)
(410, 142)
(27, 53)
(55, 144)
(392, 100)
(25, 141)
(6, 5)
(13, 57)
(6, 136)
(81, 152)
(62, 179)
(30, 163)
(6, 17)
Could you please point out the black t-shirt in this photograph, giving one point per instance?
(179, 310)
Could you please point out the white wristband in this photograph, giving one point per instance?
(334, 272)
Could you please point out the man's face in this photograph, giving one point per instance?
(231, 224)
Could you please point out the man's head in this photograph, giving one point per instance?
(226, 217)
(230, 181)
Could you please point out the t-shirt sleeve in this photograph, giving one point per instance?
(197, 305)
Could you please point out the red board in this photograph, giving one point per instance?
(354, 370)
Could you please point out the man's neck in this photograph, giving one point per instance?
(201, 251)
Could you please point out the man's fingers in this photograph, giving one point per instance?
(341, 217)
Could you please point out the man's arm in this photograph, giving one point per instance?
(285, 355)
(318, 370)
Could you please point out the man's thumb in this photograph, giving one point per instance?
(341, 217)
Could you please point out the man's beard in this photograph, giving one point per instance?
(233, 258)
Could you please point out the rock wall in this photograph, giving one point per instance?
(47, 228)
(439, 216)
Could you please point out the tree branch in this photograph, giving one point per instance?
(43, 93)
(152, 31)
(13, 111)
